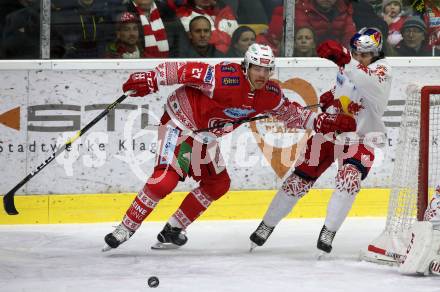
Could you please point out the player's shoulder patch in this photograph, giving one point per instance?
(229, 67)
(273, 87)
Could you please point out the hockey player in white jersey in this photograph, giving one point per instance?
(362, 89)
(423, 253)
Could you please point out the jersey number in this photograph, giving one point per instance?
(196, 73)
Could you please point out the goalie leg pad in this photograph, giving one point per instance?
(423, 248)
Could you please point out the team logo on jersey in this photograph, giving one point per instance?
(231, 81)
(209, 74)
(238, 112)
(226, 68)
(340, 79)
(273, 88)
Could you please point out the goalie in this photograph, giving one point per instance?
(423, 252)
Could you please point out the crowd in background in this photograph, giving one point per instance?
(211, 28)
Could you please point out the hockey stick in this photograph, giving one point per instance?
(8, 199)
(242, 121)
(398, 257)
(237, 122)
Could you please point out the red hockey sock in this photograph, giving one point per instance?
(194, 204)
(160, 184)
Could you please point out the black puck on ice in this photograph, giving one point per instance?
(153, 282)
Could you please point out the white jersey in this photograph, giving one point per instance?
(368, 87)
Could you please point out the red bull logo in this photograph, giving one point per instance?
(376, 38)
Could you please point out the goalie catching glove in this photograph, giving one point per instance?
(143, 83)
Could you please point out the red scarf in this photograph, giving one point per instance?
(155, 36)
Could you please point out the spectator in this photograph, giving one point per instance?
(393, 15)
(274, 34)
(414, 38)
(242, 38)
(305, 43)
(270, 5)
(251, 12)
(84, 26)
(222, 19)
(199, 36)
(157, 26)
(375, 4)
(432, 19)
(364, 15)
(329, 19)
(127, 44)
(21, 33)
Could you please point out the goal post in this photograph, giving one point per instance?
(416, 172)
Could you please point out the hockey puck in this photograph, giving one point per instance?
(153, 282)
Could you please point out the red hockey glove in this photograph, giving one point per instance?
(326, 123)
(141, 82)
(326, 100)
(334, 52)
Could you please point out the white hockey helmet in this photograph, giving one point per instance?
(367, 40)
(260, 55)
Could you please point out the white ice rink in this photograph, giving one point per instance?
(216, 258)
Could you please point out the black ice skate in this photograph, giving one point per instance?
(260, 235)
(119, 235)
(325, 240)
(170, 238)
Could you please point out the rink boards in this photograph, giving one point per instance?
(235, 205)
(43, 103)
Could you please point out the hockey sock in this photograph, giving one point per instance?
(348, 182)
(280, 206)
(194, 204)
(160, 184)
(293, 189)
(337, 209)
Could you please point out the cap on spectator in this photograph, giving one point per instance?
(414, 21)
(127, 17)
(386, 2)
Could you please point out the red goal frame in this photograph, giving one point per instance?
(422, 201)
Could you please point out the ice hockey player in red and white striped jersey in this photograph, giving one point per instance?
(209, 96)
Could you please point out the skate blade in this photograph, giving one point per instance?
(106, 248)
(322, 255)
(253, 246)
(163, 246)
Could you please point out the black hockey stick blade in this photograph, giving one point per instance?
(8, 199)
(9, 205)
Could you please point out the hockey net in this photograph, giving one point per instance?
(415, 175)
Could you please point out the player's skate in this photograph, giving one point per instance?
(170, 238)
(325, 240)
(260, 235)
(118, 236)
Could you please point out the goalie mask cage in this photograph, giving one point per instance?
(416, 172)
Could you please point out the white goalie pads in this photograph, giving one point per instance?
(422, 250)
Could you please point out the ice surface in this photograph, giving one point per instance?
(216, 258)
